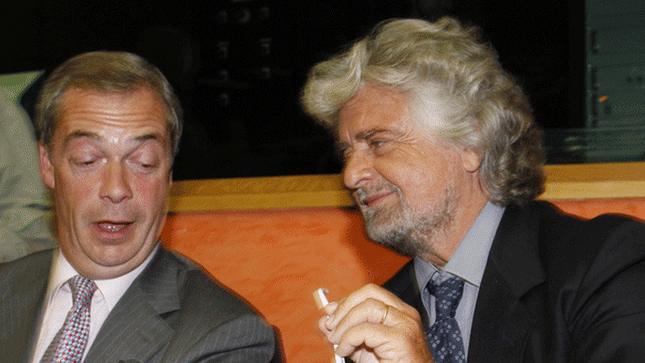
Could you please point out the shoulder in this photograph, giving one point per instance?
(195, 289)
(537, 243)
(595, 266)
(611, 249)
(605, 239)
(557, 231)
(213, 319)
(579, 278)
(199, 290)
(31, 266)
(30, 271)
(595, 271)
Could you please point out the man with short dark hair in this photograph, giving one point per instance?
(109, 126)
(444, 161)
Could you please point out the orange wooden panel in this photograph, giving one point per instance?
(590, 208)
(274, 259)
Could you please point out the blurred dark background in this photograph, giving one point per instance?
(238, 66)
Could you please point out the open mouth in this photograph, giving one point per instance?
(113, 229)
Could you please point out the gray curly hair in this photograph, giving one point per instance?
(488, 111)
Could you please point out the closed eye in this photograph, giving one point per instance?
(342, 150)
(143, 164)
(379, 145)
(84, 162)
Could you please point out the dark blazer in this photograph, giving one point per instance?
(556, 289)
(172, 312)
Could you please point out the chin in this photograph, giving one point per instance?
(112, 256)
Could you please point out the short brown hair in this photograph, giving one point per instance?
(105, 71)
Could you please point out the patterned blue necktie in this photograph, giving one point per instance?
(444, 337)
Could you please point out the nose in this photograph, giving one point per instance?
(358, 169)
(115, 185)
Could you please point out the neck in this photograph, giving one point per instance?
(443, 244)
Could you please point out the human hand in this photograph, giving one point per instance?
(372, 325)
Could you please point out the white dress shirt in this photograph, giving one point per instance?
(58, 301)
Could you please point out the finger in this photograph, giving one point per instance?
(322, 325)
(369, 291)
(324, 320)
(330, 308)
(369, 335)
(387, 343)
(370, 312)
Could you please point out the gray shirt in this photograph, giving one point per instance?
(467, 263)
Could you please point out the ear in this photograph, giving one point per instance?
(470, 160)
(46, 167)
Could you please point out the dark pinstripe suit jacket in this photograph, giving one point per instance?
(556, 289)
(171, 313)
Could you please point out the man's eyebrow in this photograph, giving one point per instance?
(79, 134)
(151, 136)
(92, 135)
(365, 135)
(341, 146)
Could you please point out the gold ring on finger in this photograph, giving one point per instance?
(387, 311)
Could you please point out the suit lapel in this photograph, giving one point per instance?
(404, 285)
(21, 310)
(509, 292)
(135, 329)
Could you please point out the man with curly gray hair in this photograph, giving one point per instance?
(444, 160)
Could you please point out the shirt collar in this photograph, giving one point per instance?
(469, 260)
(59, 273)
(111, 289)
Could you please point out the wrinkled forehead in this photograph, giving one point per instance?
(112, 117)
(426, 110)
(371, 106)
(141, 104)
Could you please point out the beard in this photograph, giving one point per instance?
(405, 230)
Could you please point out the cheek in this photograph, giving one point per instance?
(404, 173)
(420, 182)
(151, 195)
(74, 192)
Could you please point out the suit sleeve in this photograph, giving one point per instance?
(608, 324)
(244, 339)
